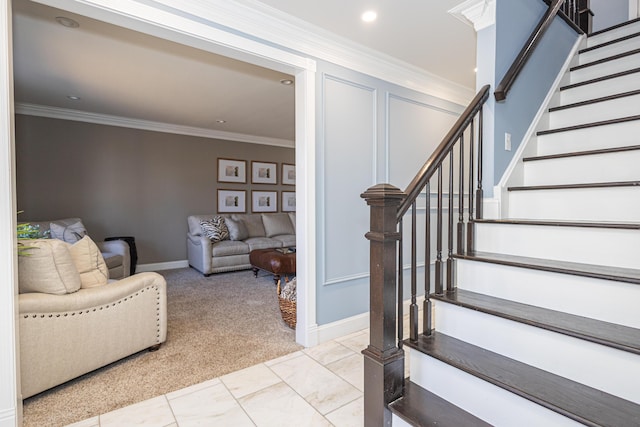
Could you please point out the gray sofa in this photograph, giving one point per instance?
(115, 252)
(247, 232)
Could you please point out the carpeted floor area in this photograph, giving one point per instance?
(216, 325)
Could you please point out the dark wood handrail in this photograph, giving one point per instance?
(527, 50)
(435, 160)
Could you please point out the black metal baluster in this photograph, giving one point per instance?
(460, 248)
(400, 301)
(413, 309)
(479, 190)
(426, 307)
(438, 267)
(450, 262)
(470, 231)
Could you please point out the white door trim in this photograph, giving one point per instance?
(10, 403)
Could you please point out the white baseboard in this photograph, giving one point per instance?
(342, 327)
(8, 418)
(141, 268)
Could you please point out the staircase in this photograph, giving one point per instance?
(543, 328)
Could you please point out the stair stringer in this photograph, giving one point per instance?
(514, 174)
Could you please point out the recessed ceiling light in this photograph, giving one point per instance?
(221, 121)
(475, 70)
(369, 16)
(286, 82)
(67, 22)
(73, 97)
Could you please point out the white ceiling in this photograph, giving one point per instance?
(123, 73)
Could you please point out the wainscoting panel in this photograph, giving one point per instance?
(349, 153)
(414, 130)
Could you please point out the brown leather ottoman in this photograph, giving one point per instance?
(274, 262)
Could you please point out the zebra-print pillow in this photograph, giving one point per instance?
(215, 229)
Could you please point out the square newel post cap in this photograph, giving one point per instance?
(383, 194)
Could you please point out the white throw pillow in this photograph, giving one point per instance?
(89, 263)
(69, 233)
(48, 268)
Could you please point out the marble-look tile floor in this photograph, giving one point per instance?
(318, 386)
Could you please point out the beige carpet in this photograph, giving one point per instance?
(216, 325)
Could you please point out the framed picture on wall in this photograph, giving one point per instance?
(264, 201)
(232, 201)
(264, 173)
(288, 201)
(230, 170)
(288, 174)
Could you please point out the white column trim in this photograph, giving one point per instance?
(634, 9)
(306, 325)
(10, 404)
(479, 14)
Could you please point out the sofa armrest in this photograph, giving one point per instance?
(65, 336)
(200, 253)
(119, 247)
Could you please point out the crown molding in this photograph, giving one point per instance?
(479, 14)
(104, 119)
(262, 22)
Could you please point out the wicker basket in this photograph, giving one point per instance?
(287, 309)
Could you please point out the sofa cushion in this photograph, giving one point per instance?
(89, 263)
(237, 229)
(215, 229)
(277, 224)
(287, 240)
(70, 233)
(253, 222)
(262, 243)
(229, 247)
(48, 268)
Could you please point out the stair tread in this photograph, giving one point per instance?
(601, 78)
(589, 125)
(595, 100)
(552, 223)
(604, 272)
(420, 407)
(614, 27)
(574, 186)
(569, 398)
(582, 153)
(610, 42)
(609, 334)
(604, 60)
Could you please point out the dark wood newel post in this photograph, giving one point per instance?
(383, 360)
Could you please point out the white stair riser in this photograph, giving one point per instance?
(613, 34)
(609, 167)
(611, 247)
(615, 135)
(606, 300)
(610, 370)
(600, 111)
(606, 68)
(600, 89)
(486, 401)
(613, 49)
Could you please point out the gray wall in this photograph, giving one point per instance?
(515, 20)
(608, 13)
(125, 181)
